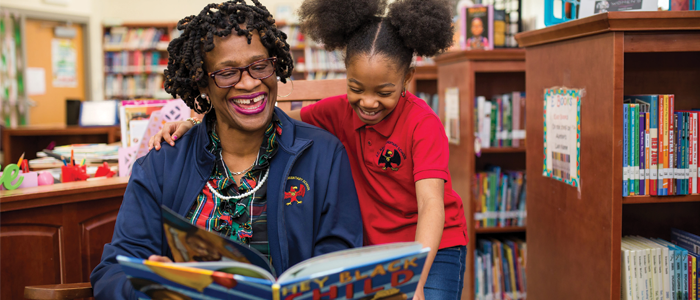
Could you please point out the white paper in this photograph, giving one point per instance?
(98, 113)
(36, 81)
(137, 128)
(592, 7)
(452, 115)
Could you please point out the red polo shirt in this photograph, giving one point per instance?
(387, 159)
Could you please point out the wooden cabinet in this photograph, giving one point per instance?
(55, 234)
(574, 238)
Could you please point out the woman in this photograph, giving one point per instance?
(246, 163)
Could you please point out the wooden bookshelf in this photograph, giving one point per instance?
(574, 238)
(149, 75)
(488, 230)
(478, 73)
(503, 150)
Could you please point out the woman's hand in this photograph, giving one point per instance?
(177, 129)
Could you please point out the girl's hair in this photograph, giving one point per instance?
(186, 71)
(421, 27)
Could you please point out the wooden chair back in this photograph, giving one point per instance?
(306, 92)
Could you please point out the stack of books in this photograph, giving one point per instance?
(499, 198)
(499, 269)
(660, 143)
(501, 121)
(656, 269)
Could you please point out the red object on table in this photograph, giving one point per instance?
(104, 171)
(72, 173)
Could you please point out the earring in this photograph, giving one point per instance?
(200, 106)
(290, 92)
(403, 93)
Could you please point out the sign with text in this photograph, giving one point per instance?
(562, 140)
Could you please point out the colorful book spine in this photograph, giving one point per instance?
(694, 153)
(634, 171)
(686, 153)
(664, 152)
(641, 133)
(677, 153)
(625, 151)
(647, 155)
(671, 145)
(654, 134)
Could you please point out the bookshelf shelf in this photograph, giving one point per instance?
(488, 230)
(477, 73)
(664, 199)
(575, 236)
(503, 150)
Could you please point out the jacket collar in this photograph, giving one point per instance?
(205, 160)
(385, 127)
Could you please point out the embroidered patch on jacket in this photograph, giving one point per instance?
(390, 156)
(298, 189)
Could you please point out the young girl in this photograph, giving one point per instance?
(397, 146)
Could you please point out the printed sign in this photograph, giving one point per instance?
(562, 140)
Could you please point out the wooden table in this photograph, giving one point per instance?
(34, 138)
(55, 234)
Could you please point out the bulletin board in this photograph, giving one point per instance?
(50, 107)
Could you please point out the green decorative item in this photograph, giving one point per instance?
(9, 175)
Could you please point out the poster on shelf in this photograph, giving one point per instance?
(562, 139)
(452, 115)
(63, 63)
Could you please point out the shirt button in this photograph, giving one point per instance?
(369, 143)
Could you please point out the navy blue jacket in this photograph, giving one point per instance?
(327, 220)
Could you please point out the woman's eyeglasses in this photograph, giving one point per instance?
(261, 69)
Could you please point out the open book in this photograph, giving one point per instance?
(210, 266)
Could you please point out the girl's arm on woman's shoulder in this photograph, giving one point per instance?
(326, 113)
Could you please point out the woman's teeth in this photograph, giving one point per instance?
(249, 101)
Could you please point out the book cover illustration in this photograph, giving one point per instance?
(209, 266)
(477, 26)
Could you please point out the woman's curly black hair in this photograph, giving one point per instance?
(420, 27)
(186, 71)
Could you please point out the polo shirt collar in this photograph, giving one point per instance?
(386, 126)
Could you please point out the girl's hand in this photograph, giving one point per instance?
(176, 128)
(418, 295)
(158, 258)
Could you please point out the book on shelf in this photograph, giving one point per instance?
(232, 270)
(653, 268)
(118, 38)
(120, 86)
(499, 269)
(500, 122)
(135, 62)
(500, 198)
(431, 99)
(660, 155)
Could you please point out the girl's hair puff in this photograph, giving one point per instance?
(420, 27)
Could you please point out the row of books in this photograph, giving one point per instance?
(499, 269)
(655, 269)
(660, 143)
(295, 38)
(500, 122)
(325, 75)
(135, 62)
(134, 87)
(487, 28)
(118, 38)
(320, 60)
(500, 198)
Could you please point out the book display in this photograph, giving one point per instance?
(633, 79)
(490, 180)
